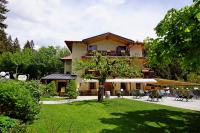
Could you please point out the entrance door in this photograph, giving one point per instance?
(123, 86)
(61, 88)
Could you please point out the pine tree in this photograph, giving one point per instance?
(16, 45)
(3, 40)
(3, 37)
(3, 11)
(32, 44)
(9, 44)
(27, 45)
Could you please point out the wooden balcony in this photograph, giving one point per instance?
(109, 53)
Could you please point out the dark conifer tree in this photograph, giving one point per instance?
(27, 45)
(16, 45)
(3, 37)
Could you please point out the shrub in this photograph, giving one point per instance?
(50, 89)
(71, 90)
(7, 123)
(34, 88)
(17, 102)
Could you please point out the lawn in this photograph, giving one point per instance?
(116, 115)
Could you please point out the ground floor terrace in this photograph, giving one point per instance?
(115, 86)
(128, 86)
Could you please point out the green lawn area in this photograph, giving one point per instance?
(113, 116)
(51, 99)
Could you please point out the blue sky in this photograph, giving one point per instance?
(50, 22)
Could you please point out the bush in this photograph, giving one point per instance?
(71, 90)
(35, 88)
(50, 89)
(7, 123)
(17, 102)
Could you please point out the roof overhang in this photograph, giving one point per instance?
(122, 80)
(156, 81)
(67, 57)
(105, 36)
(108, 36)
(59, 77)
(167, 82)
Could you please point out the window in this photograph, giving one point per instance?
(92, 86)
(138, 86)
(92, 47)
(121, 50)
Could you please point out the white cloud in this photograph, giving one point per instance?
(50, 22)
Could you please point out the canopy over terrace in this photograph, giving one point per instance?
(167, 82)
(135, 80)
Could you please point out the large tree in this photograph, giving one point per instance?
(178, 40)
(16, 45)
(105, 67)
(36, 63)
(3, 37)
(3, 11)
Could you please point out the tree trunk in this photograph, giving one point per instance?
(100, 92)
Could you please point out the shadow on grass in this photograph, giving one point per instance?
(90, 102)
(153, 121)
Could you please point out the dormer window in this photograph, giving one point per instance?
(92, 47)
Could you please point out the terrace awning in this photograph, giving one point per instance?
(156, 81)
(167, 82)
(135, 80)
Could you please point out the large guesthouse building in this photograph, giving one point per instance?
(107, 44)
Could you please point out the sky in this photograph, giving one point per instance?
(50, 22)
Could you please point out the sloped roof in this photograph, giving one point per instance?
(107, 36)
(110, 36)
(59, 77)
(67, 57)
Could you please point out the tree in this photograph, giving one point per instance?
(16, 45)
(3, 37)
(32, 44)
(177, 45)
(106, 67)
(9, 43)
(36, 63)
(3, 11)
(27, 45)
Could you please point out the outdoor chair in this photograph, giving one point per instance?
(154, 95)
(179, 97)
(187, 97)
(138, 93)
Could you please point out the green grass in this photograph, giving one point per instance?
(51, 99)
(113, 116)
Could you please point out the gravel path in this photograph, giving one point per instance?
(169, 101)
(193, 104)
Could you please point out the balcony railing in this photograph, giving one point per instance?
(110, 53)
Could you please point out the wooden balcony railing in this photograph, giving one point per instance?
(109, 53)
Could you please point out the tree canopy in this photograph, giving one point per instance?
(178, 40)
(36, 63)
(103, 67)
